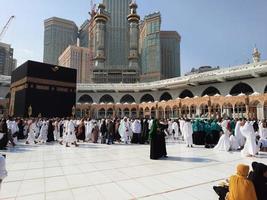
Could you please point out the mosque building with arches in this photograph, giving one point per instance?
(238, 91)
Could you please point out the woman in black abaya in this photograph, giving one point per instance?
(157, 140)
(50, 132)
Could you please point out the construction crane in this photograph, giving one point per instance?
(93, 9)
(3, 31)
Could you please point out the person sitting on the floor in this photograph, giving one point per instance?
(259, 178)
(240, 187)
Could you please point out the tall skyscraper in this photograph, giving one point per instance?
(117, 33)
(123, 50)
(159, 50)
(84, 34)
(150, 48)
(58, 35)
(170, 54)
(78, 58)
(115, 64)
(7, 63)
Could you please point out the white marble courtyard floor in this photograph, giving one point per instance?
(116, 172)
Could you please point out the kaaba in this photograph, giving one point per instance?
(39, 89)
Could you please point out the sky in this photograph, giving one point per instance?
(214, 32)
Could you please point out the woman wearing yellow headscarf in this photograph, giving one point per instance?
(240, 188)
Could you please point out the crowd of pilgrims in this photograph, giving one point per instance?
(225, 134)
(248, 136)
(69, 131)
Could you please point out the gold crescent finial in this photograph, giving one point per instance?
(56, 68)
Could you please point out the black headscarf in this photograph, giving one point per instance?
(259, 181)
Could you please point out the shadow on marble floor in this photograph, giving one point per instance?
(20, 149)
(91, 146)
(189, 159)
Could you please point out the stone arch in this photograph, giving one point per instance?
(256, 110)
(110, 112)
(215, 107)
(126, 112)
(204, 110)
(147, 112)
(216, 110)
(227, 110)
(185, 111)
(241, 88)
(186, 93)
(118, 113)
(166, 96)
(127, 99)
(134, 112)
(193, 110)
(175, 111)
(93, 113)
(106, 99)
(240, 110)
(101, 113)
(85, 99)
(210, 91)
(147, 98)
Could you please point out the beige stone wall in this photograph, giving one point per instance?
(209, 107)
(78, 58)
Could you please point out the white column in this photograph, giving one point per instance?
(260, 112)
(198, 110)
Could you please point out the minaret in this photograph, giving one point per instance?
(100, 19)
(256, 56)
(133, 19)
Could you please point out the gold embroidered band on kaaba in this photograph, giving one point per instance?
(23, 83)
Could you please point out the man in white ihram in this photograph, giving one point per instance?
(33, 128)
(136, 129)
(182, 122)
(71, 137)
(43, 132)
(188, 132)
(124, 130)
(88, 129)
